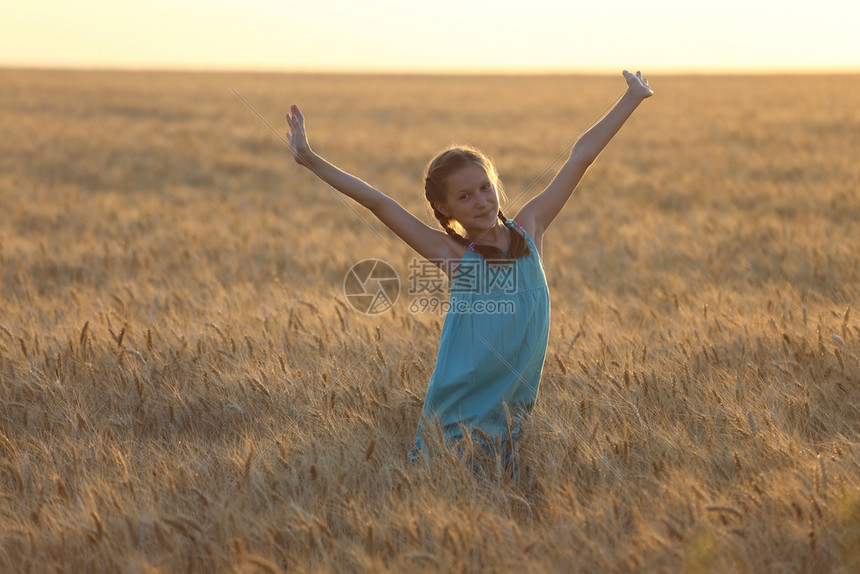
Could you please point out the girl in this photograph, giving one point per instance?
(495, 333)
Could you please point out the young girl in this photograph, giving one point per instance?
(495, 333)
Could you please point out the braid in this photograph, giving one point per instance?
(518, 247)
(430, 193)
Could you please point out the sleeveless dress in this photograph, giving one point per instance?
(492, 348)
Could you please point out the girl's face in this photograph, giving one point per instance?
(472, 198)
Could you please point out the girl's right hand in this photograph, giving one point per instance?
(297, 137)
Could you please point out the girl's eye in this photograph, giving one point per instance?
(465, 196)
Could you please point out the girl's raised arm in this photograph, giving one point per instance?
(538, 213)
(428, 242)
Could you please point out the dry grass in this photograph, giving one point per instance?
(183, 387)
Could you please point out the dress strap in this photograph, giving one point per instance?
(513, 223)
(472, 246)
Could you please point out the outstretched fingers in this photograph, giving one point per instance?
(291, 130)
(298, 119)
(296, 137)
(637, 83)
(294, 117)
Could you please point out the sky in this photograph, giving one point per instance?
(435, 35)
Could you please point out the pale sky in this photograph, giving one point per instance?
(435, 35)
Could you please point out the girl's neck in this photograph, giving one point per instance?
(495, 235)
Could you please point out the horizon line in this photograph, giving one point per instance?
(434, 71)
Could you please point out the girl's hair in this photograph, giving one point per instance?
(443, 166)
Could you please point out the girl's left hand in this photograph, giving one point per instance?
(638, 85)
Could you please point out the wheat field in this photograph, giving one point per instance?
(184, 387)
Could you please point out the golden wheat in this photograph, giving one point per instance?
(184, 386)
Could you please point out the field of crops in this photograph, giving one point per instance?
(185, 387)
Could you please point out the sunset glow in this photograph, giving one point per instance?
(446, 35)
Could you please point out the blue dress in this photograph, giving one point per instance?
(492, 347)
